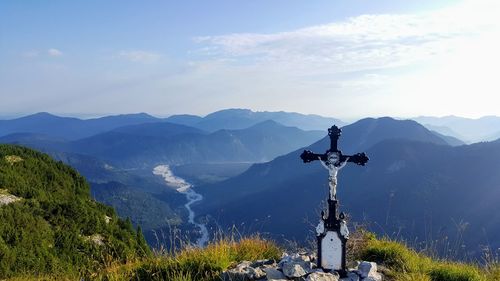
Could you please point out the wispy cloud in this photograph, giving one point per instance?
(356, 44)
(54, 52)
(139, 56)
(435, 63)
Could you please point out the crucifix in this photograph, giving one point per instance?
(332, 232)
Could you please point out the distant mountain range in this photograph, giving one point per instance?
(70, 128)
(415, 186)
(246, 164)
(150, 144)
(116, 154)
(469, 130)
(243, 118)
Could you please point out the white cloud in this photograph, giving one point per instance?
(439, 62)
(359, 43)
(139, 56)
(54, 52)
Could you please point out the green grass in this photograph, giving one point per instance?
(405, 264)
(46, 233)
(397, 261)
(194, 263)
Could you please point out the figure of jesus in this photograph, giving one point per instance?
(333, 165)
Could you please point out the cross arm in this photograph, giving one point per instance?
(309, 156)
(358, 158)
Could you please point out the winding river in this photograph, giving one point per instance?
(185, 188)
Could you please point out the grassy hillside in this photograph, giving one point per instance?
(395, 260)
(51, 229)
(402, 263)
(54, 226)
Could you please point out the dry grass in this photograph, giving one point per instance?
(194, 263)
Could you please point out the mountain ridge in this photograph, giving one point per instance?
(419, 171)
(55, 225)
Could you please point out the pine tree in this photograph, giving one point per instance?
(142, 245)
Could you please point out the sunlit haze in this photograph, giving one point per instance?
(346, 59)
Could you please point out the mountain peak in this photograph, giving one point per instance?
(230, 111)
(267, 124)
(39, 115)
(140, 115)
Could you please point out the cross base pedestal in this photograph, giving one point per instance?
(332, 236)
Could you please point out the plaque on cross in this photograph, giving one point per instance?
(332, 232)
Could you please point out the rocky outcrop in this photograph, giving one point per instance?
(13, 159)
(298, 267)
(6, 198)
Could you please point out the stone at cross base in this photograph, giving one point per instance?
(332, 232)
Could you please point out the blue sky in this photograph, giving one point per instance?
(346, 59)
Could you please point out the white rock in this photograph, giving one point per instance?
(322, 276)
(273, 274)
(97, 239)
(6, 198)
(375, 276)
(295, 269)
(243, 272)
(367, 269)
(284, 259)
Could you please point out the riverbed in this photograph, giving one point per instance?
(192, 197)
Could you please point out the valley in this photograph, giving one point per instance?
(147, 172)
(250, 140)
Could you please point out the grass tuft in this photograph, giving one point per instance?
(455, 272)
(406, 264)
(395, 255)
(195, 263)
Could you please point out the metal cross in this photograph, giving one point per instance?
(334, 156)
(332, 232)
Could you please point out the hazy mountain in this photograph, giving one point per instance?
(37, 141)
(70, 128)
(469, 130)
(355, 138)
(151, 144)
(449, 139)
(161, 130)
(244, 118)
(184, 119)
(414, 185)
(73, 128)
(409, 189)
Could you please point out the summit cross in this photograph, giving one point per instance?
(332, 232)
(333, 159)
